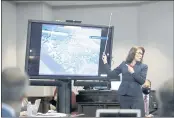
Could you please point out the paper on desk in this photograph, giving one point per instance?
(52, 115)
(115, 85)
(77, 115)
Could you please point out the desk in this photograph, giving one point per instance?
(91, 100)
(55, 114)
(52, 115)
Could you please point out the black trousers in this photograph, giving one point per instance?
(131, 102)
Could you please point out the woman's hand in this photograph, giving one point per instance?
(130, 69)
(104, 58)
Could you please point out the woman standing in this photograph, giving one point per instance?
(133, 77)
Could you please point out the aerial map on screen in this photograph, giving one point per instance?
(69, 50)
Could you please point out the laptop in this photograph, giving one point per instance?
(118, 113)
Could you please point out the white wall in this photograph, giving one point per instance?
(47, 12)
(8, 34)
(34, 11)
(156, 35)
(24, 13)
(149, 25)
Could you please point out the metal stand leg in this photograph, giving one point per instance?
(64, 97)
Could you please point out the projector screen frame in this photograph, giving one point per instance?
(65, 77)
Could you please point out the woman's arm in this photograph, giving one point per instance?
(141, 77)
(113, 73)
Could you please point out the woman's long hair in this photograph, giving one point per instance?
(132, 53)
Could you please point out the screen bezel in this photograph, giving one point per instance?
(65, 76)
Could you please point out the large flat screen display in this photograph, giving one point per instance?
(66, 50)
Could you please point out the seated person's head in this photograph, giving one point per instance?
(14, 85)
(147, 84)
(166, 99)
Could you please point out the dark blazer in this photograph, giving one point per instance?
(131, 83)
